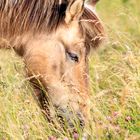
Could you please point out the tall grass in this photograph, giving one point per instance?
(115, 84)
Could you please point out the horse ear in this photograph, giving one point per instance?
(74, 10)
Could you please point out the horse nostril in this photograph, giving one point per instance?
(81, 120)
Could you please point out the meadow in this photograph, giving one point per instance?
(114, 78)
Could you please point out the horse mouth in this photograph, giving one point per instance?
(66, 116)
(70, 118)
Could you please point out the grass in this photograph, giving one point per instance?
(115, 84)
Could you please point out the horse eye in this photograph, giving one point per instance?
(73, 56)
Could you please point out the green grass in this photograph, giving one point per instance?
(115, 84)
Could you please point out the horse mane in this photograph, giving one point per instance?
(21, 16)
(35, 15)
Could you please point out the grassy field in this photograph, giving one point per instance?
(115, 84)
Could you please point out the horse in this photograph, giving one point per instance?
(54, 38)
